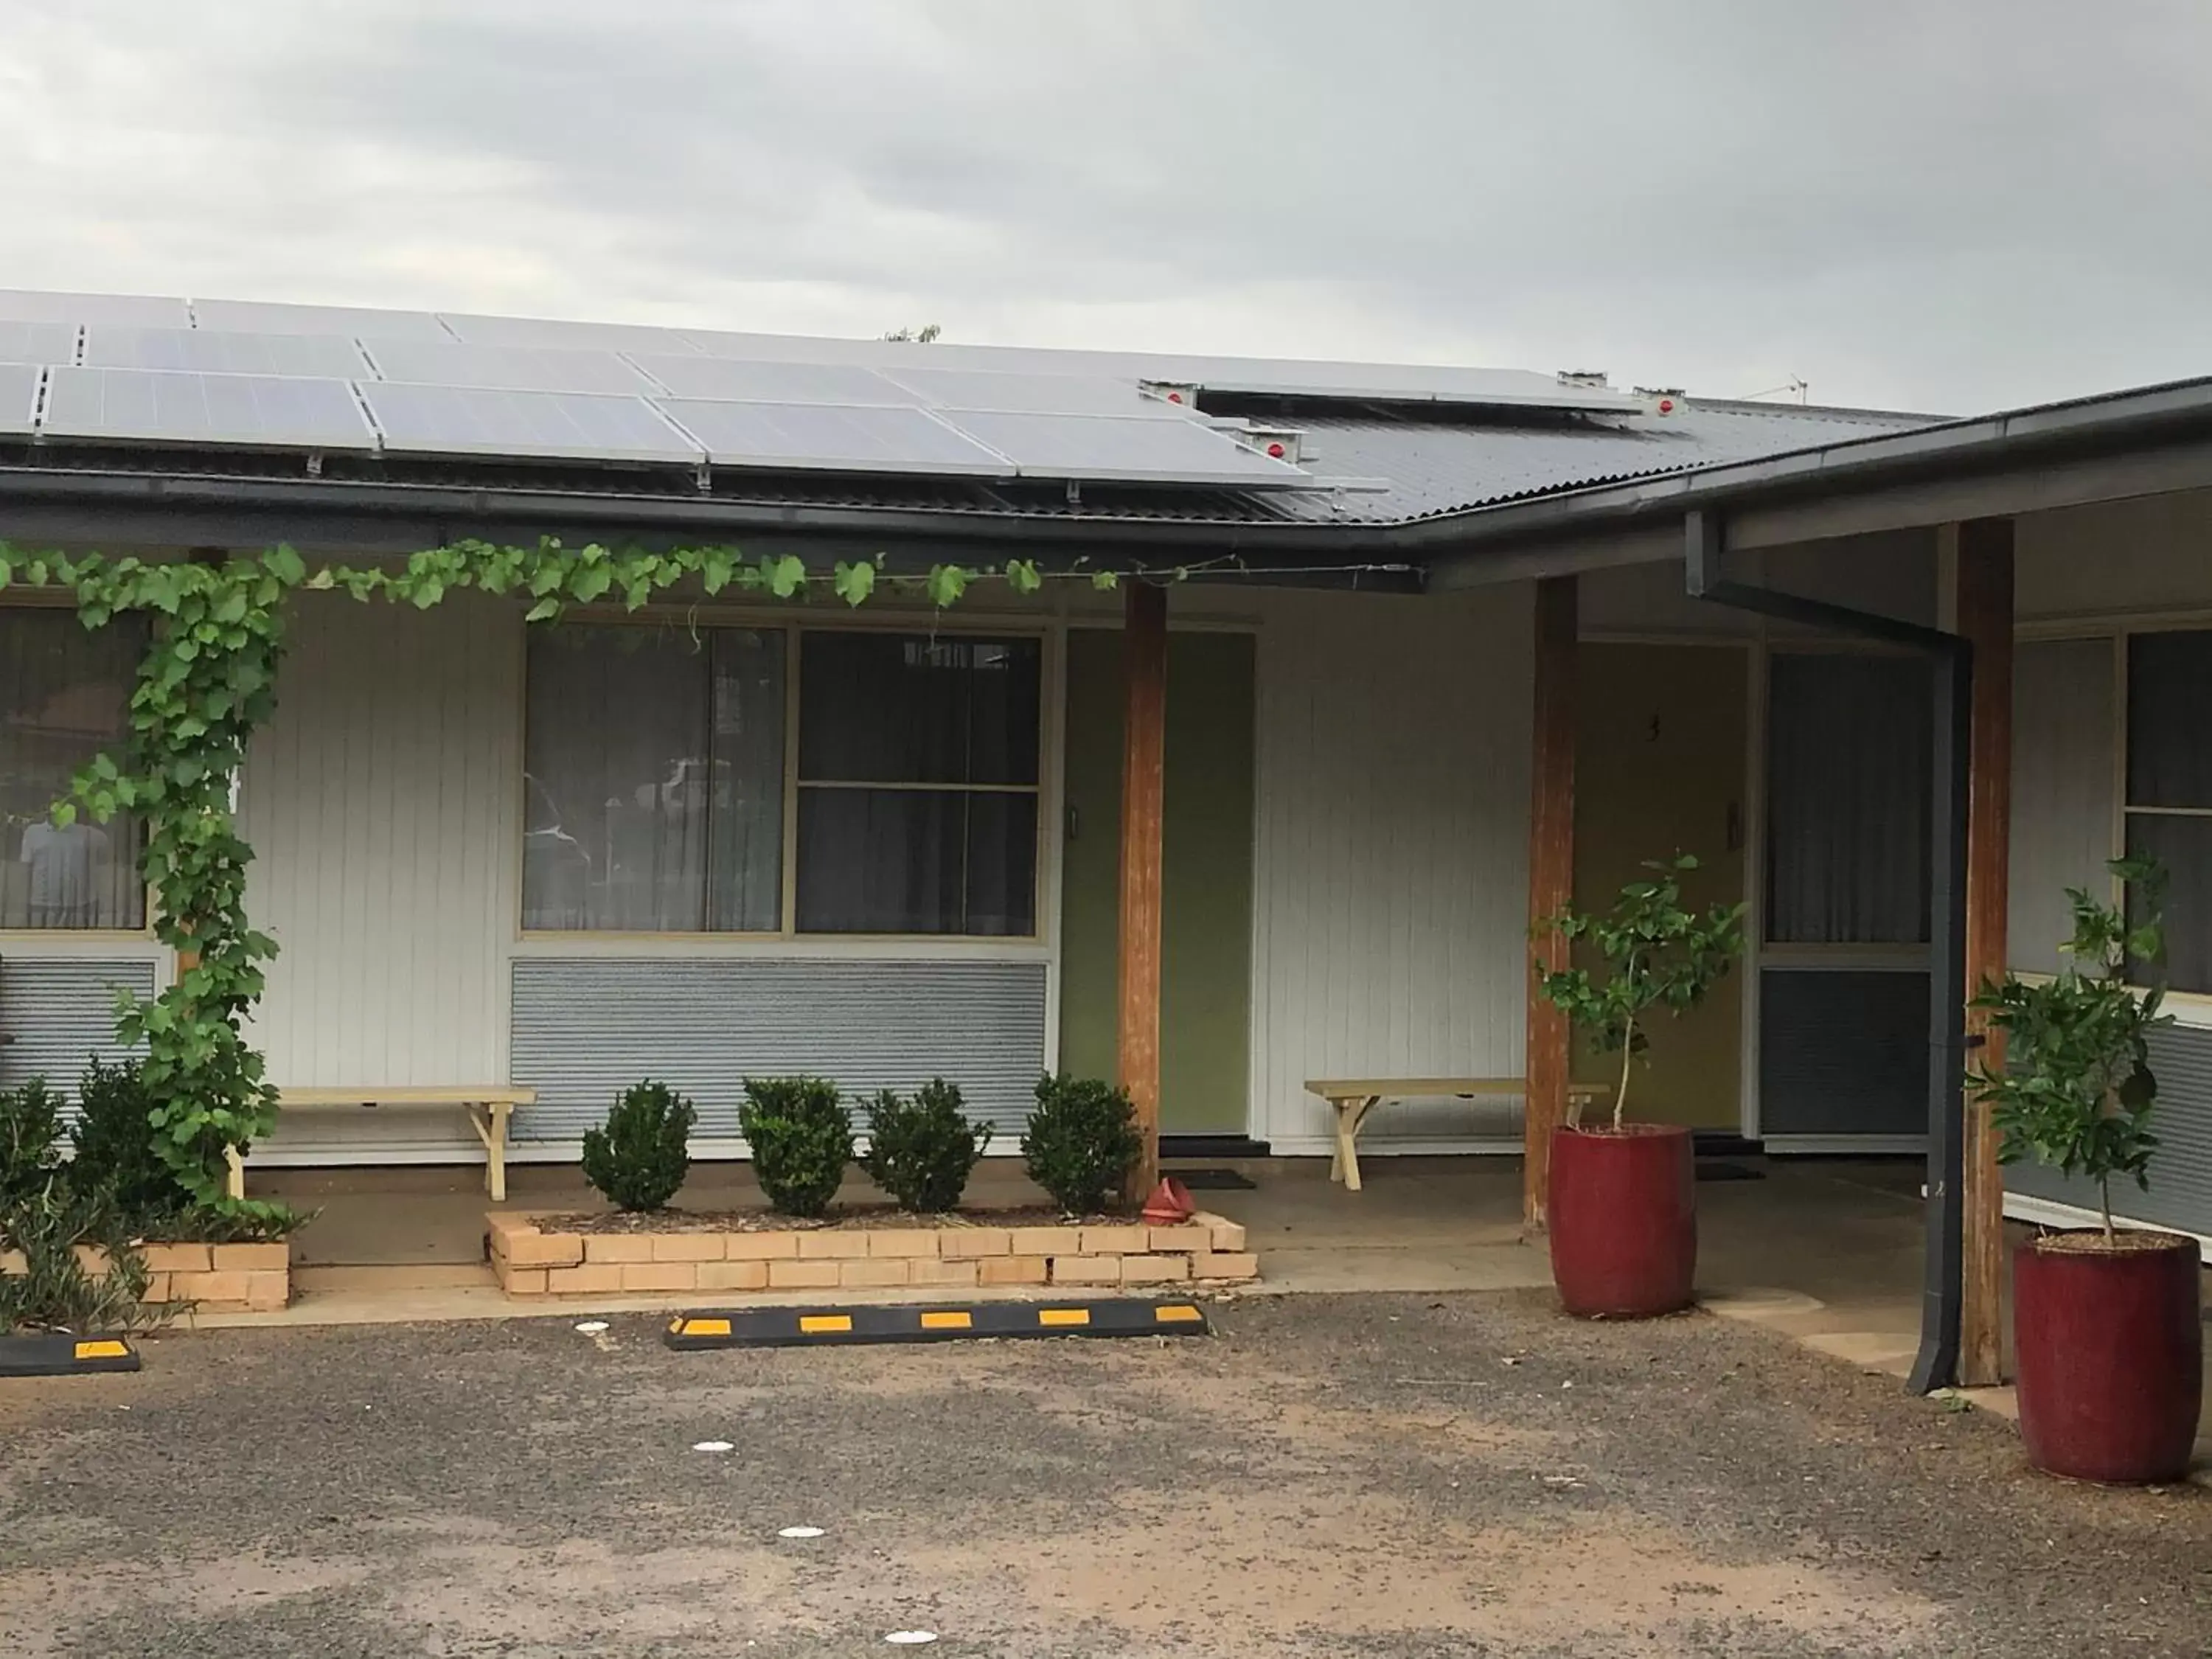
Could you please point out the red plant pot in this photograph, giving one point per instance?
(2110, 1357)
(1624, 1220)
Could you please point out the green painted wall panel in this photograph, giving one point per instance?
(1206, 876)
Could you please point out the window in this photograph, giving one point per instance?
(917, 784)
(64, 697)
(656, 782)
(653, 762)
(2169, 789)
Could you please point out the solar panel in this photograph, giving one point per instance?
(275, 317)
(833, 438)
(549, 334)
(164, 407)
(444, 420)
(803, 348)
(775, 382)
(37, 343)
(1115, 447)
(506, 368)
(30, 305)
(1043, 394)
(322, 355)
(19, 397)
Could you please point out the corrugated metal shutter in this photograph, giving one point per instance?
(61, 1012)
(2180, 1193)
(586, 1028)
(1843, 1054)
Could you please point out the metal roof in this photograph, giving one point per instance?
(1381, 444)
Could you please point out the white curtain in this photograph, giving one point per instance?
(64, 697)
(654, 763)
(1850, 754)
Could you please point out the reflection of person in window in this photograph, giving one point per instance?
(65, 861)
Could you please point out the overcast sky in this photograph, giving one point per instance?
(1942, 206)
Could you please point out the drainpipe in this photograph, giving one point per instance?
(1951, 658)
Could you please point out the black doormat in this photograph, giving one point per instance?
(1213, 1181)
(1710, 1170)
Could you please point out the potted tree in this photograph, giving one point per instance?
(2110, 1356)
(1622, 1199)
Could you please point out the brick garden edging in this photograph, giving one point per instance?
(214, 1278)
(531, 1262)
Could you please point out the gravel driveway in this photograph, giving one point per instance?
(1341, 1476)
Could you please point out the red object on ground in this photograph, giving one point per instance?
(2110, 1359)
(1170, 1204)
(1624, 1220)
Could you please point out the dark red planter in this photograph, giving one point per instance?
(1624, 1220)
(2110, 1359)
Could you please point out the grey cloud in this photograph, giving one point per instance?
(1946, 205)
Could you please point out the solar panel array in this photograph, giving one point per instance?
(149, 371)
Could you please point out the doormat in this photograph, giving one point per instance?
(1213, 1181)
(1711, 1171)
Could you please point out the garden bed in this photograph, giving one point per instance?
(211, 1278)
(676, 1252)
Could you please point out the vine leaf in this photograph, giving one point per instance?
(946, 583)
(1022, 576)
(855, 582)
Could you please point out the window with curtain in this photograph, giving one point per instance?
(1850, 775)
(918, 784)
(64, 697)
(653, 762)
(2169, 789)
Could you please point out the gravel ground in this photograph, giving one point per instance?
(1371, 1476)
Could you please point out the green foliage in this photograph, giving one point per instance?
(640, 1157)
(30, 1140)
(922, 1151)
(2075, 1089)
(801, 1138)
(116, 1151)
(1081, 1142)
(1657, 956)
(57, 1291)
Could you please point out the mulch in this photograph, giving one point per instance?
(847, 1219)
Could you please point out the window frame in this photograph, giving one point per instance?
(2125, 811)
(787, 935)
(53, 941)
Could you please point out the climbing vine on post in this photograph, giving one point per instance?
(206, 681)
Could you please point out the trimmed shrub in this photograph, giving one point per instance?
(115, 1152)
(641, 1157)
(921, 1150)
(30, 1140)
(801, 1137)
(1081, 1142)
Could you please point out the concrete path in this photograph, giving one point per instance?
(1382, 1476)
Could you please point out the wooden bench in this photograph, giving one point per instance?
(489, 1109)
(1354, 1098)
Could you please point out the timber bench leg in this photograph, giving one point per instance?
(1351, 1113)
(490, 1121)
(234, 1172)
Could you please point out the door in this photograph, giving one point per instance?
(1659, 748)
(1205, 878)
(1843, 974)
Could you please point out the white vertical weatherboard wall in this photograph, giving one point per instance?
(380, 803)
(1391, 868)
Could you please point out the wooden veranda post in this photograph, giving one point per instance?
(1551, 880)
(1144, 757)
(1984, 618)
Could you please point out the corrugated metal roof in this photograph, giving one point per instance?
(1405, 442)
(1434, 466)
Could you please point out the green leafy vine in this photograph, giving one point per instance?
(207, 680)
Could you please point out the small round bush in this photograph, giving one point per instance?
(1081, 1142)
(115, 1149)
(641, 1157)
(801, 1138)
(921, 1150)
